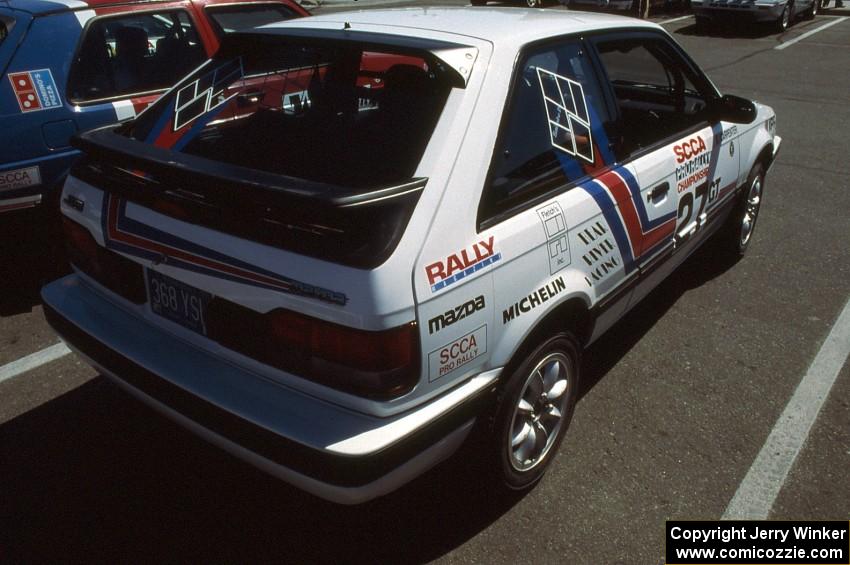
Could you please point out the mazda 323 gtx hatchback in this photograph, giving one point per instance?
(347, 241)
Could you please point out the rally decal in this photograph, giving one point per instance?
(35, 90)
(566, 110)
(460, 265)
(129, 236)
(635, 234)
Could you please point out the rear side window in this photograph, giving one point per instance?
(228, 19)
(553, 133)
(134, 54)
(6, 24)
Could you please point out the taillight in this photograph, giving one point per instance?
(362, 350)
(82, 248)
(117, 273)
(375, 364)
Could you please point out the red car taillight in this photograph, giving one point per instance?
(382, 364)
(118, 274)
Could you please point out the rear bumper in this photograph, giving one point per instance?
(329, 451)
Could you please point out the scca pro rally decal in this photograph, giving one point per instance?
(35, 90)
(535, 299)
(456, 354)
(126, 235)
(693, 163)
(456, 314)
(19, 178)
(459, 265)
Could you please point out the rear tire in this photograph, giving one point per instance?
(784, 21)
(533, 412)
(737, 233)
(478, 2)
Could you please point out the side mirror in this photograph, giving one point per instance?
(733, 109)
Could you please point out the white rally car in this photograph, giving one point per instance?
(339, 290)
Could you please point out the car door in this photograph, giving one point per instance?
(547, 205)
(684, 163)
(127, 59)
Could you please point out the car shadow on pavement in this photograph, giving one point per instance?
(95, 476)
(32, 253)
(704, 265)
(731, 30)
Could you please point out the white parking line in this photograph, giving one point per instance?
(30, 362)
(671, 20)
(787, 44)
(759, 489)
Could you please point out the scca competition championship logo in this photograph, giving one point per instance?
(693, 163)
(35, 90)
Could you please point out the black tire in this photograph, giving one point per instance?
(534, 3)
(478, 2)
(735, 236)
(784, 21)
(559, 357)
(813, 10)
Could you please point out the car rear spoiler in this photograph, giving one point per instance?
(159, 170)
(456, 58)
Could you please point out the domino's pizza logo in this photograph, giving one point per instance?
(35, 90)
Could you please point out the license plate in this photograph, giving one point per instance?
(177, 301)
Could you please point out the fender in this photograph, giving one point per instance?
(522, 329)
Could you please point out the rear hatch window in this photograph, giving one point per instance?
(306, 145)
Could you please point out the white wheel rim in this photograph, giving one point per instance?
(540, 412)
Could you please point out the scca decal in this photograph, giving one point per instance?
(457, 354)
(689, 149)
(457, 313)
(19, 178)
(533, 300)
(459, 265)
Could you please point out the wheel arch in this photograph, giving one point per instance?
(573, 314)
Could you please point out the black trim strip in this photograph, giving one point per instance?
(340, 470)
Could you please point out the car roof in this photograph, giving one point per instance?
(500, 26)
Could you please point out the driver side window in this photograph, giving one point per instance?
(654, 88)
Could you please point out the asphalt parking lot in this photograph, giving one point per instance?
(677, 401)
